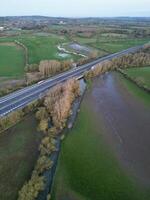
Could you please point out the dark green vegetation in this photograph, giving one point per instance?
(11, 60)
(140, 74)
(18, 154)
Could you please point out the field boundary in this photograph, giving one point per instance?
(25, 50)
(133, 80)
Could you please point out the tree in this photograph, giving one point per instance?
(31, 189)
(43, 125)
(41, 113)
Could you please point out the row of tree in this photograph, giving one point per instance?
(138, 59)
(45, 69)
(52, 67)
(55, 110)
(16, 116)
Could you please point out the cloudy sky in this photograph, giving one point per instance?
(76, 8)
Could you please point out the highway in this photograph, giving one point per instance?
(23, 97)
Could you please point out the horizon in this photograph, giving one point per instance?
(63, 17)
(76, 8)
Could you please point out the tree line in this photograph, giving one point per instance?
(45, 69)
(55, 109)
(139, 59)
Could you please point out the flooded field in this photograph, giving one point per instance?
(18, 155)
(106, 154)
(125, 120)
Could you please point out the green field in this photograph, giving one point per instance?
(40, 46)
(18, 154)
(43, 47)
(141, 74)
(111, 45)
(11, 60)
(135, 90)
(87, 168)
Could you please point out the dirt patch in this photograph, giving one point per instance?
(12, 44)
(5, 83)
(125, 122)
(8, 44)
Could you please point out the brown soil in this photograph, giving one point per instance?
(8, 44)
(5, 83)
(12, 44)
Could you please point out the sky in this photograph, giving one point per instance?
(75, 8)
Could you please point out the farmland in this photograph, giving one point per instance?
(18, 154)
(141, 75)
(110, 45)
(42, 47)
(43, 44)
(11, 60)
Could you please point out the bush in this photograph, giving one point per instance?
(31, 189)
(10, 120)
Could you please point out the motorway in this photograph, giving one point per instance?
(23, 97)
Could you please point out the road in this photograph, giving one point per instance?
(23, 97)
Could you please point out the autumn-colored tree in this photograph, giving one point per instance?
(11, 119)
(41, 113)
(138, 59)
(43, 125)
(59, 100)
(43, 164)
(31, 189)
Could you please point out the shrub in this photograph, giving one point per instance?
(31, 189)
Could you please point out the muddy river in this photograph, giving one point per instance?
(126, 124)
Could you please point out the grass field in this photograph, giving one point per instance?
(111, 45)
(135, 90)
(141, 74)
(87, 168)
(42, 47)
(11, 60)
(18, 154)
